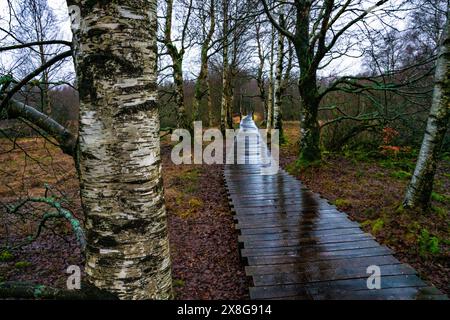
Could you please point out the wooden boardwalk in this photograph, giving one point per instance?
(298, 246)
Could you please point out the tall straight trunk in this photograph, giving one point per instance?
(281, 90)
(177, 67)
(262, 93)
(307, 85)
(224, 107)
(260, 73)
(44, 87)
(419, 190)
(120, 167)
(230, 102)
(202, 85)
(210, 104)
(182, 118)
(279, 80)
(201, 88)
(270, 94)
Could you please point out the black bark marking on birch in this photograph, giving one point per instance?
(130, 110)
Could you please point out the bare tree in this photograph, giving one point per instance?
(318, 26)
(226, 73)
(202, 86)
(33, 21)
(280, 81)
(177, 54)
(261, 55)
(419, 190)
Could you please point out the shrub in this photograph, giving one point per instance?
(377, 225)
(427, 244)
(342, 203)
(6, 256)
(402, 175)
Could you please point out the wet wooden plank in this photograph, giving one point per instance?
(287, 223)
(315, 255)
(280, 209)
(299, 246)
(295, 250)
(311, 275)
(298, 234)
(321, 262)
(403, 287)
(308, 240)
(298, 226)
(279, 203)
(304, 213)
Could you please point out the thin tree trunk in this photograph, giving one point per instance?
(279, 80)
(224, 107)
(120, 168)
(260, 73)
(44, 87)
(270, 95)
(210, 105)
(230, 99)
(182, 118)
(419, 189)
(202, 85)
(177, 66)
(200, 89)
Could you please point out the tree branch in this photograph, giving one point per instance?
(283, 31)
(33, 74)
(67, 141)
(36, 43)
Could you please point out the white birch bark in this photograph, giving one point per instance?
(120, 168)
(419, 189)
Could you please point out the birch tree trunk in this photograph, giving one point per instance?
(419, 190)
(120, 168)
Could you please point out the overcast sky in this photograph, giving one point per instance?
(342, 66)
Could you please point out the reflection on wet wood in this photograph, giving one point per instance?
(298, 246)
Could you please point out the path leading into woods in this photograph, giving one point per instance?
(298, 246)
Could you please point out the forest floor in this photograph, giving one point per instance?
(371, 189)
(203, 241)
(204, 245)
